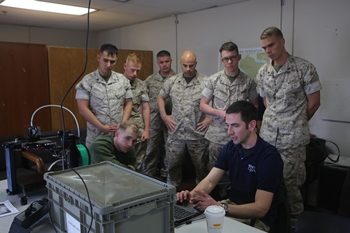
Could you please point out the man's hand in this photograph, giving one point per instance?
(145, 135)
(222, 114)
(202, 200)
(169, 122)
(184, 195)
(204, 125)
(110, 128)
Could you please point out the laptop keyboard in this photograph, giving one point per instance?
(182, 214)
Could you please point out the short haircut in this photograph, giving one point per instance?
(110, 49)
(128, 124)
(133, 58)
(229, 46)
(248, 110)
(163, 53)
(271, 31)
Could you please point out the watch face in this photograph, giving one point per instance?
(225, 206)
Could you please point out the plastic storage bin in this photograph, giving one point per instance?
(121, 200)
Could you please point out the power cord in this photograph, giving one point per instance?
(337, 159)
(62, 113)
(50, 218)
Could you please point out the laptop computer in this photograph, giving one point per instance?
(184, 213)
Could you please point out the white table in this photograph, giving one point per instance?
(197, 226)
(230, 226)
(5, 222)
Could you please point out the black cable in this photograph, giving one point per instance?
(81, 74)
(62, 112)
(88, 195)
(337, 159)
(50, 218)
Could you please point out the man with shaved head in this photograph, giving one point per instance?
(186, 124)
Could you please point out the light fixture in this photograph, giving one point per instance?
(46, 6)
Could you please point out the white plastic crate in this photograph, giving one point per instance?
(122, 200)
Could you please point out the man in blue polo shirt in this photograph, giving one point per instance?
(255, 168)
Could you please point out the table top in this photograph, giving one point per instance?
(197, 226)
(5, 222)
(229, 226)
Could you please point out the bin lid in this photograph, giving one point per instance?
(109, 184)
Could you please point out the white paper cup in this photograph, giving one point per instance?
(215, 216)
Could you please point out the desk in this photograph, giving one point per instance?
(198, 226)
(230, 226)
(5, 222)
(343, 161)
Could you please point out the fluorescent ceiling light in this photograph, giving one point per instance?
(46, 6)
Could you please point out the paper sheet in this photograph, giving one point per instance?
(6, 208)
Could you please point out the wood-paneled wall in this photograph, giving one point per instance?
(34, 75)
(24, 87)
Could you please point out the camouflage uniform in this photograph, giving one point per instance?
(158, 130)
(106, 100)
(140, 95)
(285, 124)
(185, 99)
(223, 93)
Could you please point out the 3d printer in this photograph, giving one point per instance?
(65, 146)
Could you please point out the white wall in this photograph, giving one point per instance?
(202, 32)
(322, 36)
(205, 31)
(309, 27)
(109, 37)
(153, 36)
(51, 37)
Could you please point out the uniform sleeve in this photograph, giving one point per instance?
(144, 93)
(82, 90)
(208, 90)
(259, 79)
(128, 92)
(312, 82)
(165, 91)
(252, 90)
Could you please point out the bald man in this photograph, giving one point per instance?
(187, 124)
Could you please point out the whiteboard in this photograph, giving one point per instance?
(335, 96)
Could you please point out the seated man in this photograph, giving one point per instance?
(117, 147)
(255, 169)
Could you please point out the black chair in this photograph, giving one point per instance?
(282, 223)
(326, 222)
(316, 153)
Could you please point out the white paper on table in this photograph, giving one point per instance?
(6, 208)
